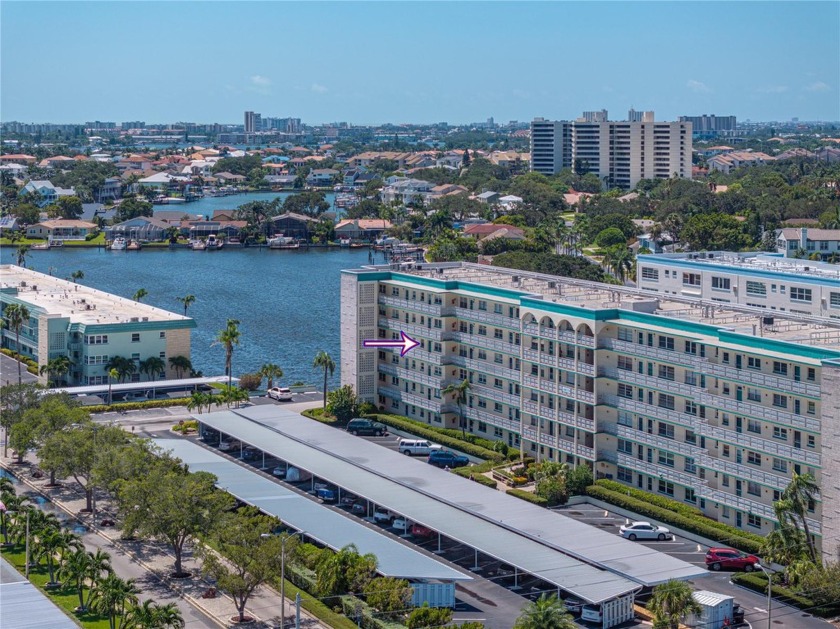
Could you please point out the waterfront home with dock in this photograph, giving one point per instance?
(60, 229)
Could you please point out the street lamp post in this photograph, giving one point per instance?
(283, 576)
(768, 574)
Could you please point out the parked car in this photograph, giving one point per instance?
(400, 524)
(326, 494)
(296, 475)
(348, 501)
(418, 530)
(645, 530)
(383, 516)
(358, 508)
(418, 447)
(283, 394)
(574, 605)
(737, 614)
(136, 396)
(225, 446)
(730, 559)
(250, 453)
(362, 426)
(591, 613)
(279, 471)
(445, 458)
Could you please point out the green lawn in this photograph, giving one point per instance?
(65, 597)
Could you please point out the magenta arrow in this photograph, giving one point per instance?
(406, 343)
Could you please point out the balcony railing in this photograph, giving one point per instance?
(481, 415)
(552, 441)
(486, 342)
(637, 349)
(745, 440)
(487, 367)
(568, 364)
(553, 334)
(663, 471)
(496, 395)
(744, 472)
(498, 320)
(777, 383)
(658, 441)
(414, 330)
(438, 310)
(758, 411)
(553, 414)
(672, 386)
(438, 382)
(650, 410)
(556, 388)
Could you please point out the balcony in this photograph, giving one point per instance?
(759, 411)
(562, 417)
(436, 334)
(743, 472)
(438, 310)
(435, 404)
(765, 446)
(413, 375)
(672, 386)
(742, 504)
(658, 441)
(649, 410)
(636, 349)
(487, 367)
(486, 342)
(497, 395)
(555, 334)
(482, 316)
(481, 415)
(752, 376)
(429, 357)
(552, 441)
(664, 472)
(568, 364)
(556, 388)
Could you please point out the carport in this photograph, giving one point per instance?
(431, 580)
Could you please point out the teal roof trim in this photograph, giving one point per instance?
(137, 326)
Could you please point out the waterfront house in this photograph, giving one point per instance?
(368, 229)
(8, 224)
(174, 217)
(145, 228)
(61, 229)
(47, 192)
(162, 181)
(405, 190)
(489, 231)
(281, 181)
(321, 177)
(824, 242)
(293, 225)
(202, 229)
(109, 190)
(227, 178)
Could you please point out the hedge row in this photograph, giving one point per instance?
(527, 495)
(758, 583)
(31, 365)
(706, 527)
(320, 415)
(457, 433)
(659, 501)
(483, 480)
(442, 436)
(134, 406)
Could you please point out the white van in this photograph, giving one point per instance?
(591, 613)
(296, 475)
(417, 447)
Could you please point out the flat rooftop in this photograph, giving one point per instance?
(23, 606)
(77, 302)
(790, 327)
(749, 261)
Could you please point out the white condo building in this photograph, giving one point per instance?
(707, 402)
(620, 153)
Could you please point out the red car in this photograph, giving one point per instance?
(729, 558)
(418, 530)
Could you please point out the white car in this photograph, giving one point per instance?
(383, 516)
(591, 613)
(225, 446)
(282, 394)
(400, 524)
(645, 530)
(279, 472)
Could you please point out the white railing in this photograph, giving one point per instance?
(496, 395)
(414, 330)
(535, 356)
(672, 386)
(554, 334)
(650, 410)
(477, 340)
(636, 349)
(742, 439)
(478, 414)
(547, 386)
(742, 504)
(658, 441)
(438, 310)
(663, 471)
(758, 411)
(500, 321)
(743, 472)
(753, 376)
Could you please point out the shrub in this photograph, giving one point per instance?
(483, 480)
(758, 583)
(429, 617)
(186, 426)
(250, 381)
(320, 415)
(659, 501)
(527, 495)
(134, 406)
(31, 365)
(700, 525)
(578, 479)
(343, 403)
(609, 237)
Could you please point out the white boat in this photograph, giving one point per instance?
(198, 245)
(214, 242)
(281, 242)
(118, 244)
(344, 242)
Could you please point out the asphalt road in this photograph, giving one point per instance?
(9, 371)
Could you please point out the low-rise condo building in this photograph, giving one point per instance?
(710, 403)
(89, 326)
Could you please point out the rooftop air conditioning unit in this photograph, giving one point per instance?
(145, 318)
(23, 284)
(134, 319)
(767, 320)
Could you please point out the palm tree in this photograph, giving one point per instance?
(56, 367)
(22, 252)
(16, 316)
(228, 338)
(112, 596)
(152, 366)
(51, 542)
(324, 361)
(460, 393)
(672, 602)
(76, 570)
(270, 371)
(113, 374)
(142, 292)
(187, 300)
(99, 568)
(799, 497)
(547, 612)
(150, 615)
(124, 366)
(197, 400)
(180, 364)
(76, 276)
(619, 260)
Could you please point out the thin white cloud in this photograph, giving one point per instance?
(818, 86)
(698, 87)
(318, 88)
(773, 89)
(260, 81)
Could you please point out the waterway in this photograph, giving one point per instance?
(287, 301)
(207, 205)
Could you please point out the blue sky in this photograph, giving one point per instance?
(416, 61)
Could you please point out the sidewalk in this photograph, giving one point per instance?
(151, 563)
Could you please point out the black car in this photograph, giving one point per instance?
(362, 426)
(445, 458)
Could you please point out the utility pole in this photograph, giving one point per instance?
(27, 544)
(297, 610)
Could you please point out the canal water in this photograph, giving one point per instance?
(287, 301)
(207, 205)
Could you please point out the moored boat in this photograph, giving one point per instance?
(118, 244)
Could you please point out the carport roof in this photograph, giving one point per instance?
(583, 560)
(24, 606)
(316, 521)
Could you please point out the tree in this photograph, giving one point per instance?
(16, 316)
(150, 615)
(609, 237)
(344, 571)
(77, 275)
(388, 595)
(112, 597)
(547, 612)
(187, 300)
(56, 412)
(228, 338)
(251, 558)
(152, 366)
(140, 294)
(619, 260)
(15, 400)
(799, 498)
(198, 399)
(343, 403)
(113, 374)
(578, 479)
(324, 361)
(84, 570)
(181, 365)
(670, 603)
(459, 394)
(133, 207)
(123, 366)
(172, 505)
(50, 542)
(426, 616)
(270, 371)
(67, 207)
(56, 367)
(465, 162)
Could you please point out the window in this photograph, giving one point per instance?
(780, 465)
(666, 342)
(800, 294)
(780, 433)
(163, 335)
(812, 441)
(753, 395)
(691, 378)
(498, 334)
(756, 289)
(690, 466)
(498, 359)
(690, 496)
(725, 480)
(497, 383)
(753, 488)
(97, 339)
(625, 334)
(625, 363)
(754, 426)
(625, 446)
(694, 349)
(690, 437)
(482, 305)
(812, 408)
(625, 475)
(779, 400)
(625, 390)
(780, 368)
(720, 283)
(482, 330)
(666, 372)
(754, 520)
(834, 300)
(753, 458)
(666, 430)
(666, 458)
(753, 362)
(625, 419)
(497, 308)
(725, 450)
(135, 337)
(666, 488)
(665, 401)
(690, 408)
(812, 374)
(649, 273)
(482, 378)
(691, 279)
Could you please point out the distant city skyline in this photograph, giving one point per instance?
(370, 63)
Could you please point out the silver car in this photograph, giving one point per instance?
(645, 530)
